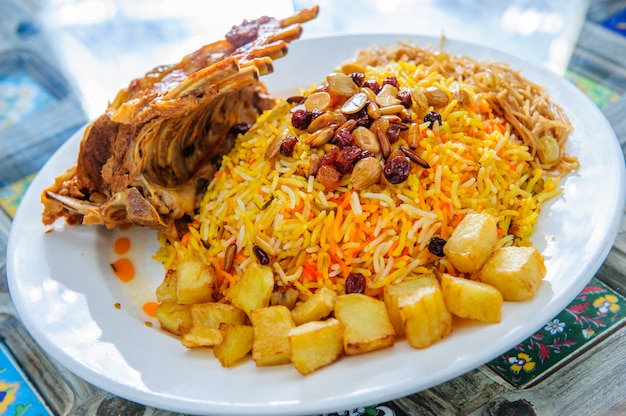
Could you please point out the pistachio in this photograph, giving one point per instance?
(319, 100)
(365, 173)
(341, 84)
(436, 96)
(355, 103)
(366, 140)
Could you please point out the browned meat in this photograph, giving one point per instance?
(147, 159)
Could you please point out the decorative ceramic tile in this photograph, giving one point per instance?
(598, 93)
(11, 195)
(21, 96)
(385, 409)
(616, 22)
(595, 311)
(17, 397)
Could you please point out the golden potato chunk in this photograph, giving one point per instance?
(201, 336)
(426, 318)
(236, 345)
(254, 288)
(516, 272)
(470, 299)
(472, 242)
(166, 291)
(173, 317)
(318, 306)
(212, 314)
(315, 344)
(366, 323)
(195, 282)
(271, 335)
(407, 287)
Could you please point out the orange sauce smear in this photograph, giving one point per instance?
(121, 245)
(150, 308)
(124, 269)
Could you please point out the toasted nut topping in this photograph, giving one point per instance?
(419, 99)
(373, 110)
(365, 173)
(387, 96)
(436, 96)
(274, 147)
(461, 95)
(317, 101)
(314, 164)
(383, 140)
(263, 243)
(341, 84)
(415, 158)
(366, 140)
(320, 137)
(326, 120)
(371, 95)
(391, 109)
(229, 257)
(352, 68)
(413, 135)
(348, 125)
(355, 103)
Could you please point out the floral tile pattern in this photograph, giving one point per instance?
(596, 310)
(17, 398)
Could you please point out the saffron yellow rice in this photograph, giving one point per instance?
(478, 161)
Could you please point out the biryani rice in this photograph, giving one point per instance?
(478, 161)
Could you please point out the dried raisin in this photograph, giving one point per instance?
(261, 255)
(435, 246)
(431, 117)
(301, 119)
(346, 158)
(397, 169)
(288, 145)
(355, 283)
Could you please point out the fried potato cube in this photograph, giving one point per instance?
(315, 344)
(254, 288)
(195, 282)
(426, 318)
(318, 306)
(471, 299)
(472, 242)
(516, 272)
(173, 317)
(166, 291)
(394, 291)
(212, 314)
(366, 323)
(236, 345)
(201, 336)
(271, 335)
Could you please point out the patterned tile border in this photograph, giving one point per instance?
(595, 311)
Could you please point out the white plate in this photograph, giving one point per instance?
(64, 289)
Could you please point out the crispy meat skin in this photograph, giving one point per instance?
(147, 159)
